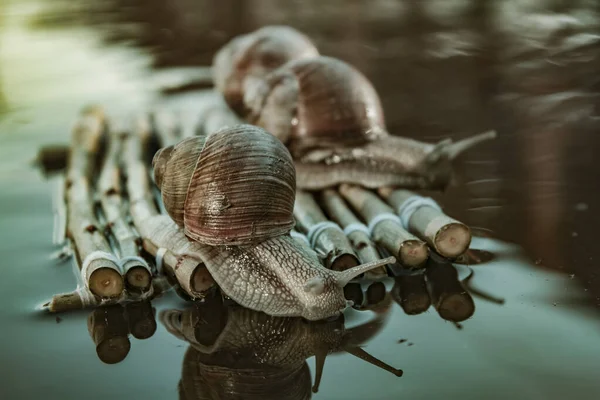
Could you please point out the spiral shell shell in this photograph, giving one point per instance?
(235, 186)
(256, 54)
(337, 104)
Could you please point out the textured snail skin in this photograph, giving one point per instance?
(254, 55)
(244, 241)
(271, 277)
(376, 164)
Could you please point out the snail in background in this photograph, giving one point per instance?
(330, 117)
(233, 191)
(251, 56)
(237, 352)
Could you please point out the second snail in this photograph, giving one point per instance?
(327, 113)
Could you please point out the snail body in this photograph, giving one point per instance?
(233, 192)
(252, 56)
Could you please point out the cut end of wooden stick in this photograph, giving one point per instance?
(453, 240)
(202, 280)
(138, 279)
(413, 254)
(113, 350)
(106, 283)
(343, 262)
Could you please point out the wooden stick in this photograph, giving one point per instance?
(361, 243)
(99, 267)
(81, 298)
(387, 232)
(324, 235)
(450, 298)
(108, 329)
(449, 237)
(138, 276)
(410, 292)
(159, 231)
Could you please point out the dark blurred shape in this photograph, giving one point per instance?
(448, 295)
(52, 158)
(376, 293)
(410, 292)
(108, 329)
(353, 292)
(237, 353)
(141, 319)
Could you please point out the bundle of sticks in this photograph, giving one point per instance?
(127, 249)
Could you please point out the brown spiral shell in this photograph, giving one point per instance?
(255, 55)
(337, 104)
(235, 186)
(173, 169)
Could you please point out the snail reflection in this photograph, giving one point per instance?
(239, 353)
(110, 328)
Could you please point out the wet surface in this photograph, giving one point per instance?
(445, 68)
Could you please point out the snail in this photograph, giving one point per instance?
(327, 113)
(330, 117)
(252, 56)
(233, 192)
(240, 353)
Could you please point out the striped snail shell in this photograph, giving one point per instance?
(253, 56)
(235, 186)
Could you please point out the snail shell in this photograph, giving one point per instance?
(253, 56)
(235, 186)
(335, 104)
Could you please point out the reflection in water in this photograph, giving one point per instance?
(240, 353)
(439, 285)
(110, 327)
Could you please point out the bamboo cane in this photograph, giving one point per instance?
(387, 232)
(99, 267)
(449, 237)
(162, 237)
(357, 233)
(138, 276)
(323, 235)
